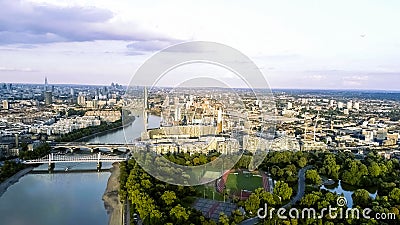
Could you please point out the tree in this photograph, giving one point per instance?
(168, 197)
(283, 190)
(329, 167)
(374, 169)
(237, 216)
(394, 195)
(179, 213)
(252, 204)
(265, 197)
(310, 200)
(302, 162)
(313, 177)
(354, 172)
(361, 197)
(223, 219)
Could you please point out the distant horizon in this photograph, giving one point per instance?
(272, 88)
(303, 45)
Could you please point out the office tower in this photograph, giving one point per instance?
(177, 113)
(6, 104)
(340, 105)
(349, 105)
(16, 140)
(45, 84)
(219, 121)
(176, 101)
(95, 104)
(48, 98)
(289, 105)
(81, 100)
(146, 101)
(356, 105)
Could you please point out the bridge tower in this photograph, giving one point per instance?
(52, 165)
(99, 163)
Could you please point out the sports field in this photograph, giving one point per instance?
(239, 181)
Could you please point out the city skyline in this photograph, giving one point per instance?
(199, 112)
(296, 45)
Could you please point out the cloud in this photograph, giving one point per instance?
(316, 77)
(139, 47)
(9, 69)
(355, 80)
(152, 45)
(24, 22)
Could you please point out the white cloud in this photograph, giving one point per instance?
(8, 69)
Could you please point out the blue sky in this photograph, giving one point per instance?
(297, 44)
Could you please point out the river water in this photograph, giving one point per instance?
(65, 198)
(128, 134)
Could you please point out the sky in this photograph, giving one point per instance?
(296, 44)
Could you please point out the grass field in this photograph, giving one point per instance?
(237, 182)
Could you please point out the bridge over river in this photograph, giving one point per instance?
(98, 158)
(72, 146)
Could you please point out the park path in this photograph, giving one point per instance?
(300, 193)
(301, 187)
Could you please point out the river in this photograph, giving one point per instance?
(132, 132)
(65, 198)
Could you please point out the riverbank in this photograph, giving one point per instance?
(13, 179)
(111, 199)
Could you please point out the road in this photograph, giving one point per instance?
(301, 187)
(300, 193)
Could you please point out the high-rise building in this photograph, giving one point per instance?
(356, 105)
(166, 102)
(48, 97)
(45, 84)
(331, 103)
(177, 113)
(340, 105)
(6, 104)
(81, 100)
(289, 105)
(349, 105)
(146, 101)
(219, 121)
(96, 104)
(176, 101)
(16, 140)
